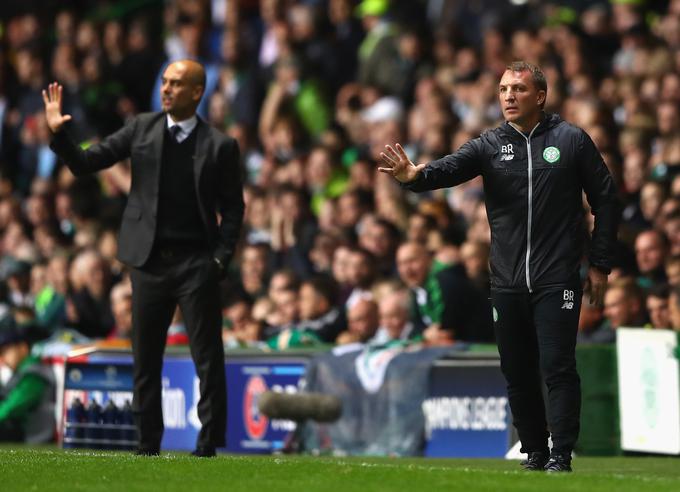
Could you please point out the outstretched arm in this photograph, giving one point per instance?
(112, 149)
(451, 170)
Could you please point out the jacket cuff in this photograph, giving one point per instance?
(412, 184)
(223, 255)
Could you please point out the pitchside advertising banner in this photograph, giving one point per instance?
(248, 431)
(649, 390)
(404, 401)
(104, 377)
(466, 412)
(97, 378)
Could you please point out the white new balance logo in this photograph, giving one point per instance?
(568, 297)
(568, 305)
(507, 153)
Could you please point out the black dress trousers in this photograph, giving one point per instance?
(186, 277)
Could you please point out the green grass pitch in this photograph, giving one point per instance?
(50, 469)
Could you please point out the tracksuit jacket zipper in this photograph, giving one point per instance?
(530, 198)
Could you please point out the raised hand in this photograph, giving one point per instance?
(52, 98)
(397, 163)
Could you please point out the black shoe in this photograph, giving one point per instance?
(536, 461)
(558, 463)
(204, 452)
(147, 452)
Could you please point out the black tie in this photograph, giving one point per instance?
(174, 132)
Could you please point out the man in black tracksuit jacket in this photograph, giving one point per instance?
(535, 167)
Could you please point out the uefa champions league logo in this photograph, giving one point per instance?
(255, 422)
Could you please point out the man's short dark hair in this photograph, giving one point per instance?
(660, 291)
(364, 198)
(392, 230)
(537, 74)
(230, 299)
(261, 246)
(368, 256)
(292, 279)
(324, 285)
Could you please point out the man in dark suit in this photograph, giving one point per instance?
(183, 173)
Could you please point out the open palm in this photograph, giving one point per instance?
(397, 163)
(52, 97)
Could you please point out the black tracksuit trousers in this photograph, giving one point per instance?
(536, 336)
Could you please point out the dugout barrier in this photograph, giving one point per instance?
(463, 408)
(454, 397)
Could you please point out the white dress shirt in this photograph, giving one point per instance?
(186, 126)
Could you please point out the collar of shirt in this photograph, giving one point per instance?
(186, 126)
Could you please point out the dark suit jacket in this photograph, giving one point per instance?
(217, 177)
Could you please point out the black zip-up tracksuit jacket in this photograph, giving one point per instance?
(533, 190)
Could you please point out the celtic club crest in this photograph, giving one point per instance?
(551, 154)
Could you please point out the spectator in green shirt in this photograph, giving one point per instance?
(27, 399)
(446, 307)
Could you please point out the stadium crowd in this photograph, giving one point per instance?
(333, 252)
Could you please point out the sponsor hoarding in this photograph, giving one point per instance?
(467, 413)
(649, 390)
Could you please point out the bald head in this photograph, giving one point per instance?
(182, 87)
(362, 319)
(195, 72)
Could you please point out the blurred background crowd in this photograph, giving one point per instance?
(333, 252)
